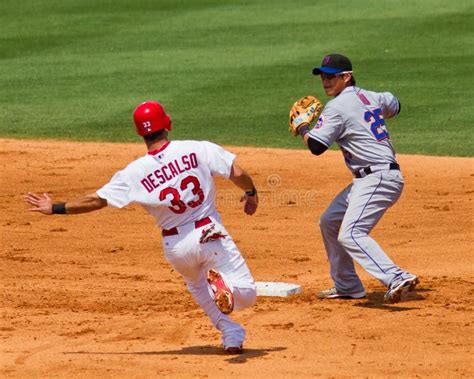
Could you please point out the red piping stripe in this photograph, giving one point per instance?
(154, 152)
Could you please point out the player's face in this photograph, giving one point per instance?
(334, 84)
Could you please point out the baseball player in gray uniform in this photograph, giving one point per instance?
(355, 120)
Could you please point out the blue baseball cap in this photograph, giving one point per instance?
(334, 64)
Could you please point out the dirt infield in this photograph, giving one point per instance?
(92, 295)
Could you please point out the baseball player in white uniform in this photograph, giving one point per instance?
(173, 182)
(355, 120)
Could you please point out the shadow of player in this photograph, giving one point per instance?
(375, 300)
(195, 350)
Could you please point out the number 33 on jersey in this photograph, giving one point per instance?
(172, 184)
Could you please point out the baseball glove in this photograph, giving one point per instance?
(303, 112)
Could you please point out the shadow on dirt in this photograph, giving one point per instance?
(375, 300)
(194, 350)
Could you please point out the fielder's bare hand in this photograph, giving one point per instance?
(41, 203)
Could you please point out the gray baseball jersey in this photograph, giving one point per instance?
(355, 120)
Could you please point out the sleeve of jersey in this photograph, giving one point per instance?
(390, 104)
(328, 128)
(219, 160)
(117, 191)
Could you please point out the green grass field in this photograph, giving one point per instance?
(228, 71)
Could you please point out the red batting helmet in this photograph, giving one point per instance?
(150, 117)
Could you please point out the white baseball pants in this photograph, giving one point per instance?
(193, 259)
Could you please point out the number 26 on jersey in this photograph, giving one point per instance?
(377, 124)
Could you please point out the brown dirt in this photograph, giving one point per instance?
(92, 296)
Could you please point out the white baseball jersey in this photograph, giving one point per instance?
(174, 184)
(355, 120)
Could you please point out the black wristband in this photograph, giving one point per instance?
(304, 130)
(59, 209)
(252, 192)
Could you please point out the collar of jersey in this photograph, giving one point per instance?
(154, 152)
(348, 89)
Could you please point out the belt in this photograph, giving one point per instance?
(368, 170)
(174, 231)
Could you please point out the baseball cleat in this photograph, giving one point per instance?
(333, 293)
(234, 349)
(399, 287)
(220, 291)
